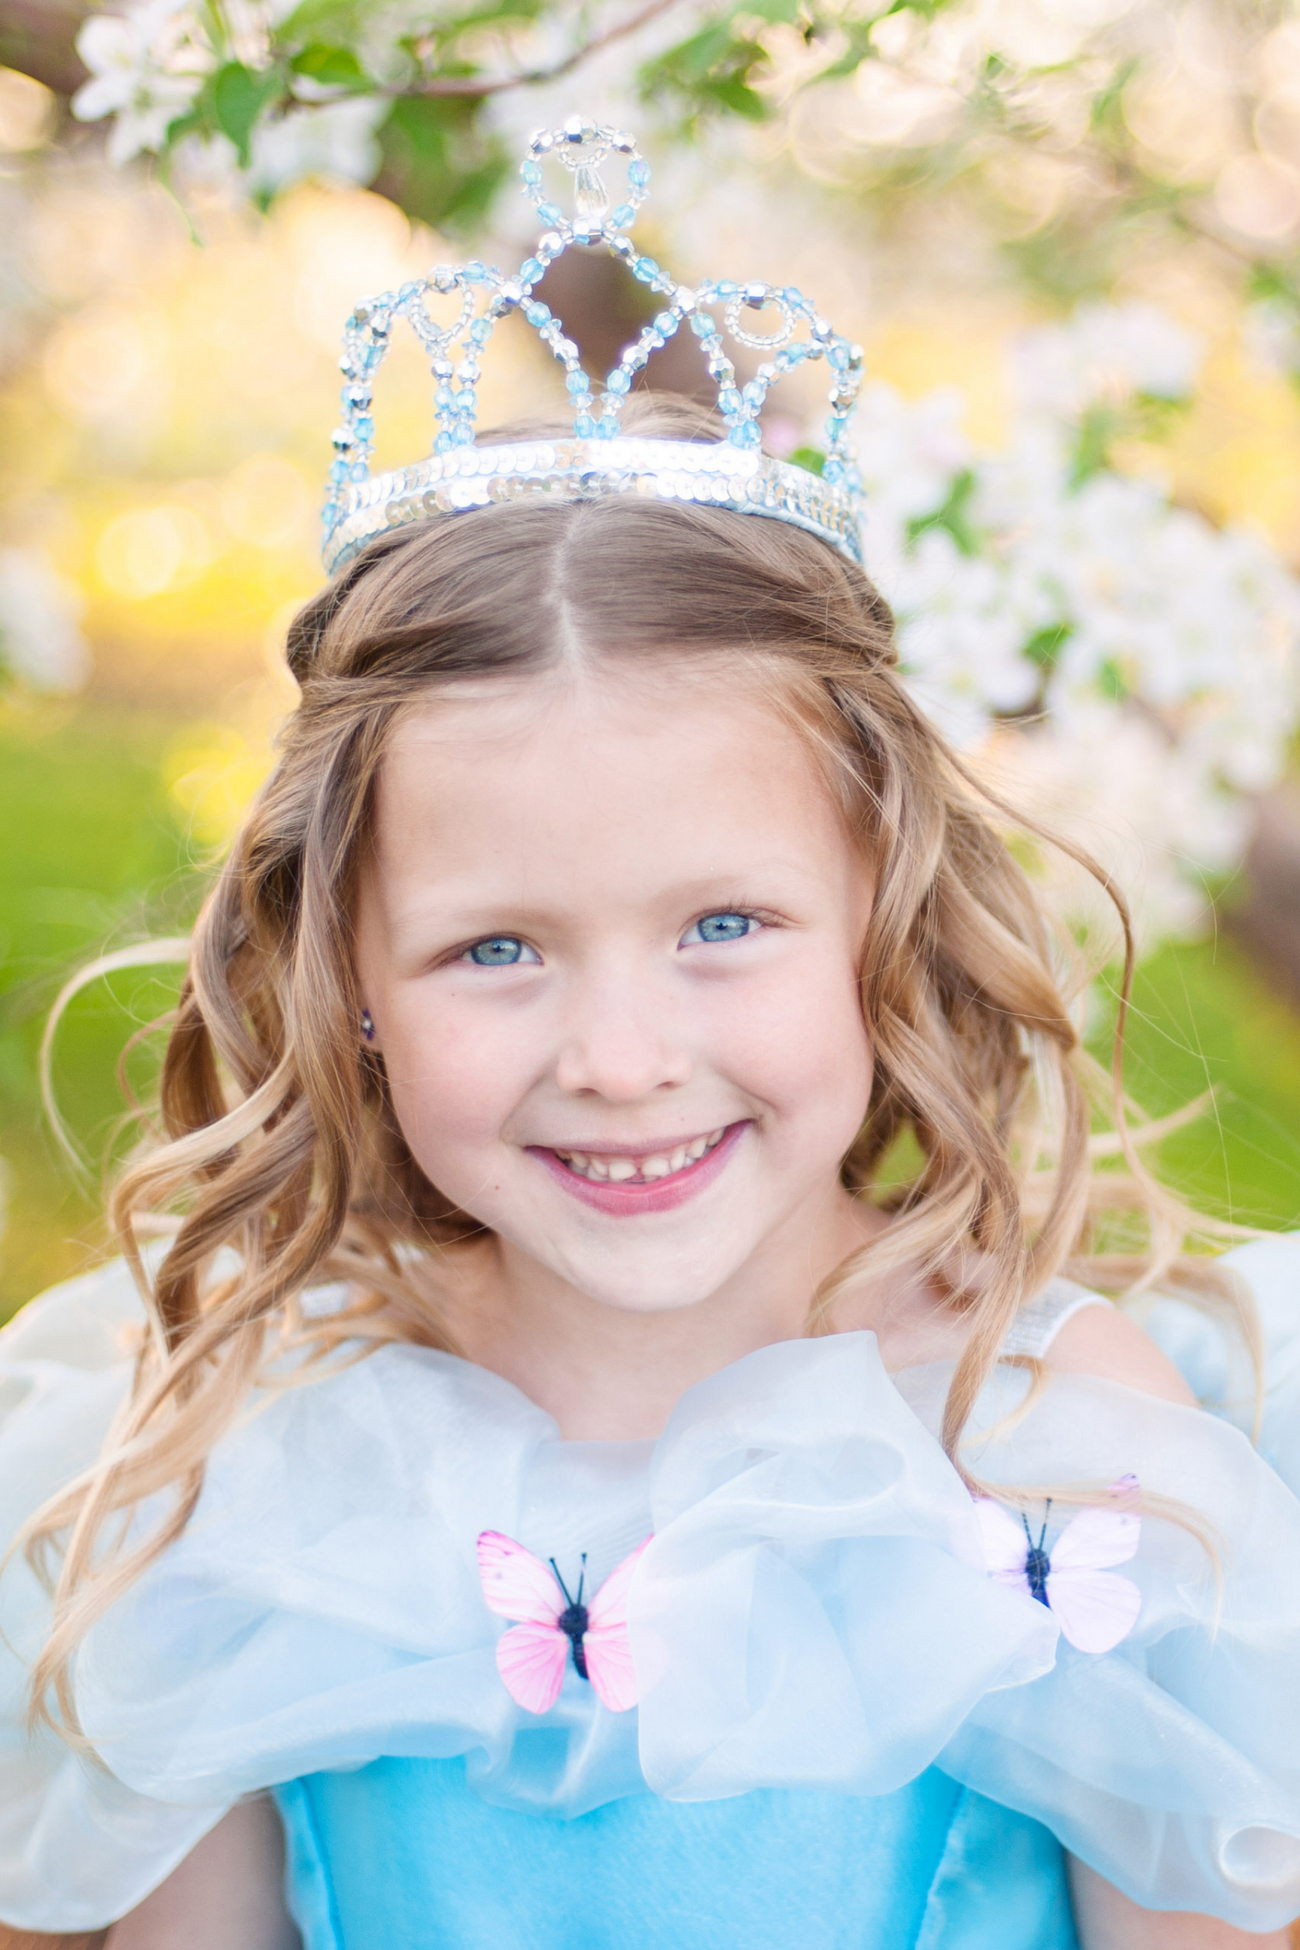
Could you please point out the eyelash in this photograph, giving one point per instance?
(529, 954)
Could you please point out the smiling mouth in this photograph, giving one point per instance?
(619, 1168)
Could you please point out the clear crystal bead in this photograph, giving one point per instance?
(589, 192)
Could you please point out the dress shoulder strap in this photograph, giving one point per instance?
(1039, 1322)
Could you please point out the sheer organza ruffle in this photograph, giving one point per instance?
(813, 1612)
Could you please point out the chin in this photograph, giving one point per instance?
(649, 1283)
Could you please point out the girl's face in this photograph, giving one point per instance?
(609, 938)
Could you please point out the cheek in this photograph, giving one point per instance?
(453, 1079)
(796, 1040)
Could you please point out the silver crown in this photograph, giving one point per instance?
(733, 473)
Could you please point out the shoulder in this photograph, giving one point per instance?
(1103, 1342)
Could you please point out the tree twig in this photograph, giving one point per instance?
(476, 87)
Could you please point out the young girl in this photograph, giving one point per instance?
(542, 1454)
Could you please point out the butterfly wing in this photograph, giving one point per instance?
(515, 1583)
(1095, 1609)
(1097, 1538)
(1006, 1546)
(606, 1644)
(530, 1659)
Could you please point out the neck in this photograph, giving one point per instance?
(606, 1374)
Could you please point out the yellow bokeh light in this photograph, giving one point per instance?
(149, 550)
(267, 502)
(28, 112)
(211, 774)
(105, 360)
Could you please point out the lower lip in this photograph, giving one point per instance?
(658, 1194)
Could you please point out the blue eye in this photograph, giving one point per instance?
(719, 927)
(500, 951)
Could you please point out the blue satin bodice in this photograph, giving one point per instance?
(402, 1853)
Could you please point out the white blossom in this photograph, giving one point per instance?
(146, 67)
(40, 614)
(1103, 356)
(1130, 670)
(336, 139)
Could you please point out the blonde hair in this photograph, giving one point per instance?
(279, 1146)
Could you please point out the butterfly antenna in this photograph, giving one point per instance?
(560, 1581)
(1029, 1535)
(582, 1579)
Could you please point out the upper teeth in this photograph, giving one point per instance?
(619, 1169)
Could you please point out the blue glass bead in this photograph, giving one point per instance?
(443, 444)
(638, 172)
(481, 331)
(666, 323)
(474, 272)
(364, 427)
(728, 288)
(701, 324)
(536, 312)
(584, 426)
(578, 382)
(619, 381)
(646, 269)
(359, 471)
(339, 471)
(754, 394)
(607, 428)
(836, 427)
(531, 172)
(833, 469)
(838, 356)
(550, 213)
(531, 270)
(728, 400)
(793, 295)
(464, 434)
(444, 399)
(622, 217)
(747, 434)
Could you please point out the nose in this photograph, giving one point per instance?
(620, 1043)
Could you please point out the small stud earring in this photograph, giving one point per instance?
(367, 1025)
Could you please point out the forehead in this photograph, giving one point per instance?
(633, 777)
(600, 744)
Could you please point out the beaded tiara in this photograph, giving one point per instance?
(461, 474)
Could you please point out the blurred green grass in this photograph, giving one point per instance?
(95, 856)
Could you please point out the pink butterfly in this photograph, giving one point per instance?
(532, 1654)
(1094, 1608)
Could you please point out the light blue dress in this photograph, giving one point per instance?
(852, 1727)
(402, 1853)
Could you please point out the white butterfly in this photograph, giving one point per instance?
(1094, 1608)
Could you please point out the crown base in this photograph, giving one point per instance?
(704, 473)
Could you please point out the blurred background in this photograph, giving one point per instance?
(1067, 234)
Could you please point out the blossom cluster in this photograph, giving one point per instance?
(149, 65)
(1130, 672)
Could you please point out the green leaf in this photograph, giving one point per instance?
(438, 166)
(952, 517)
(810, 458)
(238, 98)
(333, 67)
(730, 92)
(1044, 646)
